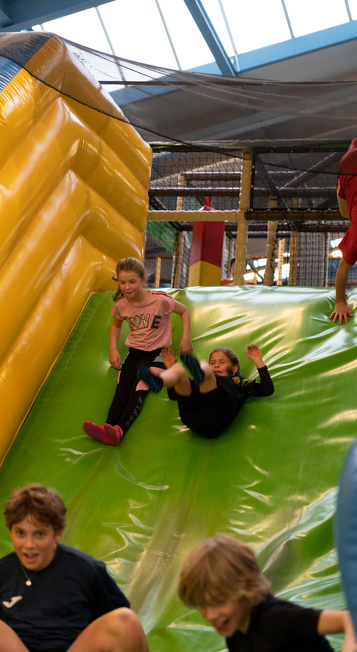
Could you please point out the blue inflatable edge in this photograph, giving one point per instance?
(346, 530)
(8, 70)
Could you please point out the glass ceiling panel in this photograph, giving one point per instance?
(256, 23)
(216, 17)
(192, 50)
(135, 29)
(307, 16)
(83, 25)
(137, 32)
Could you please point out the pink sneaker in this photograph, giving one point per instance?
(114, 433)
(97, 432)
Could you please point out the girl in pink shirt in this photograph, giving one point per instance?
(148, 315)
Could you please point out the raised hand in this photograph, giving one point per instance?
(254, 354)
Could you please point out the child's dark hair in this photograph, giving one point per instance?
(220, 569)
(128, 264)
(38, 502)
(230, 355)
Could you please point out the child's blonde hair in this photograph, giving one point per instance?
(128, 264)
(220, 569)
(227, 352)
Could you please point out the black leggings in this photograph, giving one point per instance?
(127, 402)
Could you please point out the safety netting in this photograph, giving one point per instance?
(181, 106)
(175, 104)
(293, 192)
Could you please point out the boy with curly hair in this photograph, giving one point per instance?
(54, 598)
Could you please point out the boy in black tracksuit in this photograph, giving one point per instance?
(209, 403)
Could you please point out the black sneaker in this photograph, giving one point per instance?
(194, 368)
(155, 383)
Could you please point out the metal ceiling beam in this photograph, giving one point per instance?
(4, 14)
(348, 10)
(16, 15)
(229, 34)
(274, 191)
(327, 162)
(214, 191)
(168, 34)
(287, 18)
(211, 37)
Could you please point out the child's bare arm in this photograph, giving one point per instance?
(255, 355)
(114, 356)
(183, 311)
(334, 622)
(343, 208)
(342, 310)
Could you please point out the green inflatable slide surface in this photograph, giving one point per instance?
(270, 479)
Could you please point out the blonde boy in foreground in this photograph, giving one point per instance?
(221, 578)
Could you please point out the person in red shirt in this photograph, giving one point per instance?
(347, 202)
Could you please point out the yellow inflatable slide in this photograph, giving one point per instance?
(74, 177)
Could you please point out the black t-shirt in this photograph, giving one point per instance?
(280, 626)
(262, 387)
(237, 388)
(67, 595)
(208, 414)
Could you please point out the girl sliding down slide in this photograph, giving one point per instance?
(209, 403)
(148, 315)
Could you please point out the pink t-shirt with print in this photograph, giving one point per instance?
(149, 323)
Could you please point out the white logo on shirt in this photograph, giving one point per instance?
(13, 601)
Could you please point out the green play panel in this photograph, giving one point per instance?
(269, 480)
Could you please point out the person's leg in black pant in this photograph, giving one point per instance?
(128, 401)
(125, 387)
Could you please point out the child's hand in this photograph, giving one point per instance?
(342, 311)
(115, 359)
(255, 355)
(186, 347)
(168, 357)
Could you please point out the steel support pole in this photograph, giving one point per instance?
(244, 204)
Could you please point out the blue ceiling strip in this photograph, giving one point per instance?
(299, 45)
(24, 15)
(8, 70)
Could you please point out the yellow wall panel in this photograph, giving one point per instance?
(55, 63)
(73, 200)
(74, 209)
(31, 357)
(203, 273)
(61, 142)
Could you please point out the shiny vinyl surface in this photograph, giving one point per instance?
(270, 479)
